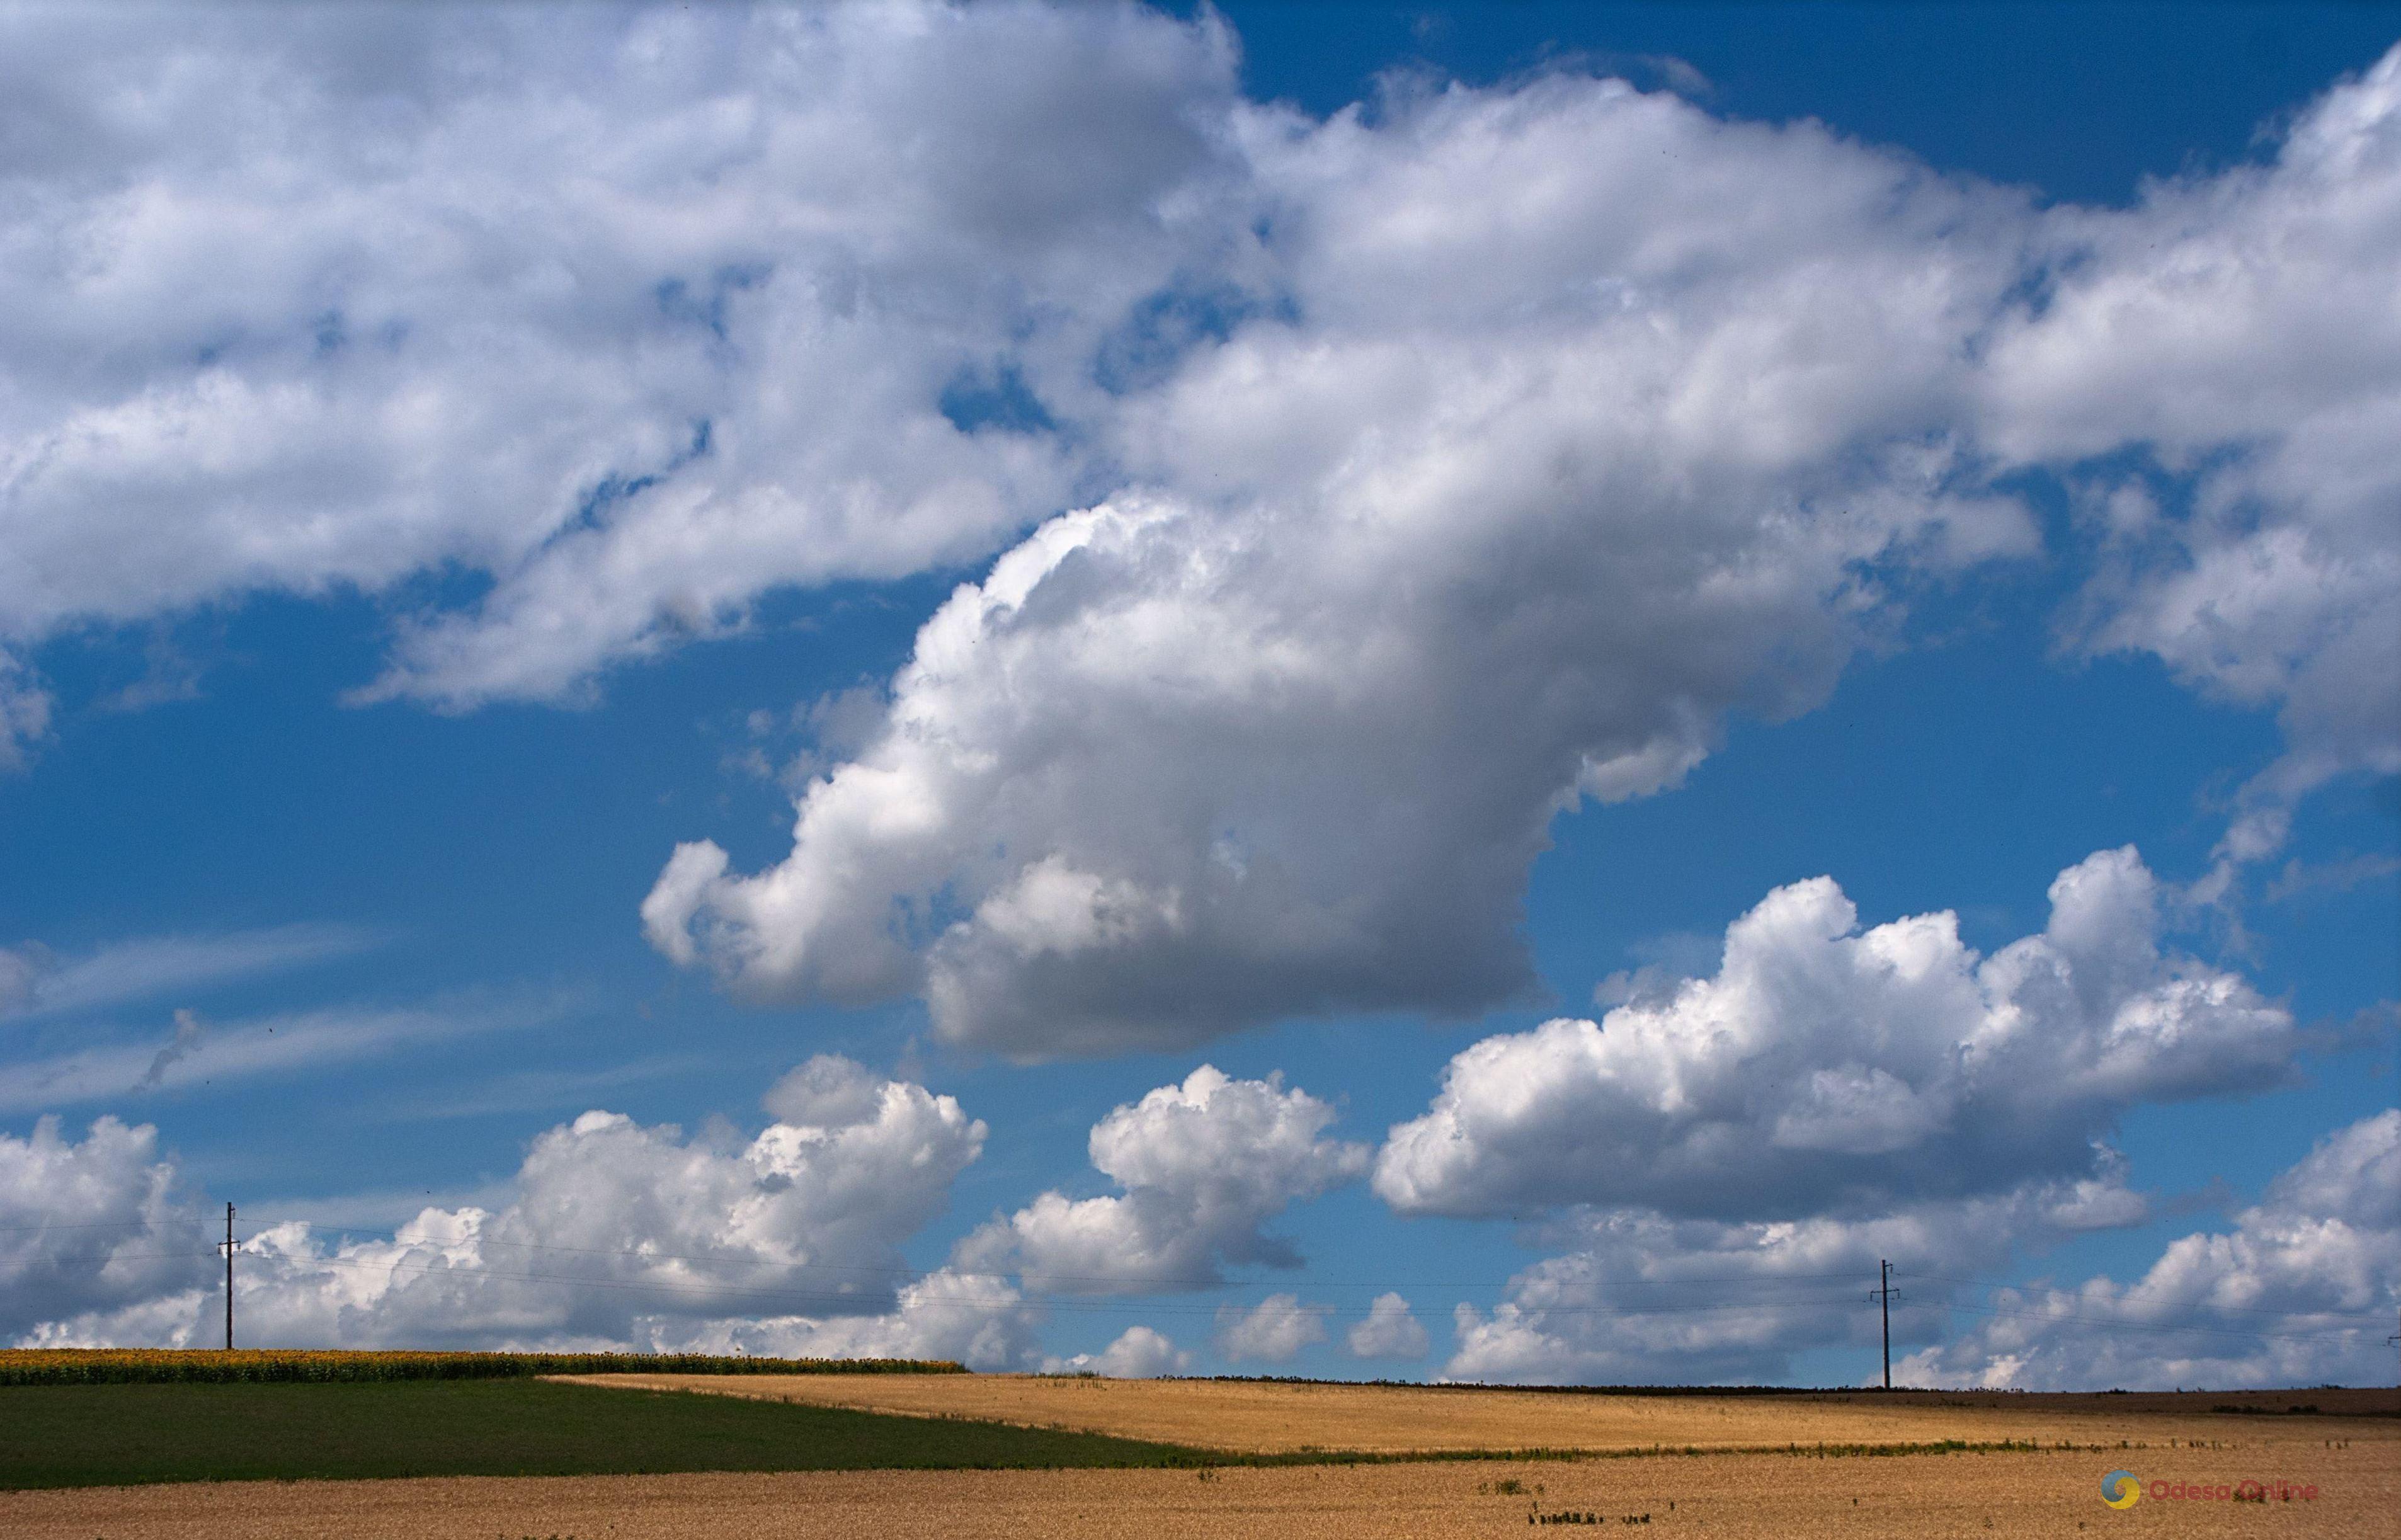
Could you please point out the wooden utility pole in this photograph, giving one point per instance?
(228, 1244)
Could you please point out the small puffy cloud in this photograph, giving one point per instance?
(1138, 1353)
(95, 1224)
(827, 1092)
(972, 1319)
(1273, 1331)
(2301, 1291)
(1389, 1331)
(1203, 1164)
(1825, 1069)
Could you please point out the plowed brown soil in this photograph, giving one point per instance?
(1733, 1496)
(1257, 1417)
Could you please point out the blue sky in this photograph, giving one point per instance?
(405, 575)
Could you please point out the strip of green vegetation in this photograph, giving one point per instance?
(161, 1365)
(125, 1435)
(83, 1436)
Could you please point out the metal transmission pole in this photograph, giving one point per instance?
(1883, 1294)
(229, 1249)
(2395, 1340)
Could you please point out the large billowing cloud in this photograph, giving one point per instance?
(1824, 1068)
(615, 1234)
(1204, 1166)
(1510, 500)
(635, 314)
(1578, 421)
(1395, 481)
(95, 1224)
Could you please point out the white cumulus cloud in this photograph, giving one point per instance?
(638, 313)
(2301, 1291)
(98, 1224)
(1204, 1166)
(1511, 486)
(1138, 1353)
(1273, 1331)
(614, 1232)
(1389, 1331)
(1825, 1069)
(1646, 1299)
(1363, 490)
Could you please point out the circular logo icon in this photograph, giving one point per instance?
(2120, 1490)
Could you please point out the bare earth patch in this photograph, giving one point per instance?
(2046, 1494)
(1273, 1418)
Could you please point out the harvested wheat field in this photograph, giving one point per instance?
(2045, 1494)
(1268, 1417)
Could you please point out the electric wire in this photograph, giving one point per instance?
(1072, 1302)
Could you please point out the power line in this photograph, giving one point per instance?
(1112, 1279)
(104, 1258)
(821, 1300)
(1082, 1301)
(2152, 1294)
(1069, 1303)
(117, 1224)
(2330, 1336)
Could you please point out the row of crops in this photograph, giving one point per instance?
(152, 1366)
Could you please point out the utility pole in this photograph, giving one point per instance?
(228, 1244)
(1883, 1294)
(2395, 1340)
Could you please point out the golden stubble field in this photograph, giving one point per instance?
(1735, 1497)
(2354, 1461)
(1276, 1417)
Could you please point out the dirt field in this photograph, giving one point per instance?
(1733, 1496)
(1269, 1418)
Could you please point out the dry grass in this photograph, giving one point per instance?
(1255, 1417)
(1730, 1496)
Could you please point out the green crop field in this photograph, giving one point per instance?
(113, 1435)
(155, 1365)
